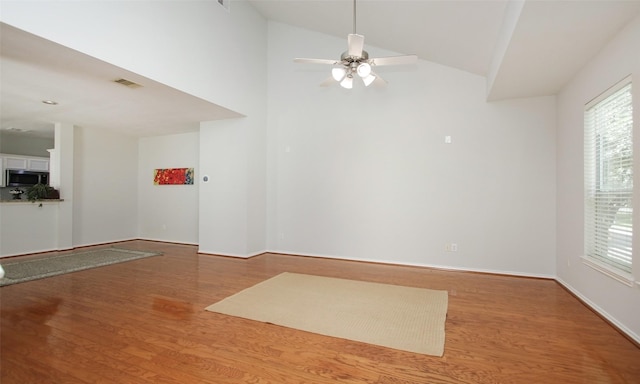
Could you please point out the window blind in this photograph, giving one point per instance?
(609, 177)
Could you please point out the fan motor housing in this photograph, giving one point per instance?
(346, 58)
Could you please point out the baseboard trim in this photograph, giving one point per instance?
(166, 241)
(75, 247)
(98, 244)
(621, 328)
(235, 255)
(11, 255)
(422, 265)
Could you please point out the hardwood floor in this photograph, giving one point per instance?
(144, 322)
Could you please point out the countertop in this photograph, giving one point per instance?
(27, 201)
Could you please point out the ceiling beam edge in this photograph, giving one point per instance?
(509, 23)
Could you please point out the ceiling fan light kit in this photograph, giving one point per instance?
(338, 73)
(347, 82)
(368, 80)
(356, 61)
(364, 70)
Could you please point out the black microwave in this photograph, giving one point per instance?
(22, 178)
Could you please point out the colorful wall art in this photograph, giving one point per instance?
(173, 176)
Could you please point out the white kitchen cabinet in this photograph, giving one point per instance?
(15, 163)
(40, 164)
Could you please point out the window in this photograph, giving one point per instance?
(608, 178)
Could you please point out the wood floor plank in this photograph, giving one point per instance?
(144, 322)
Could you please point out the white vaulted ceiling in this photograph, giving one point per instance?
(524, 48)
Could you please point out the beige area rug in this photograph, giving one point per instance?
(404, 318)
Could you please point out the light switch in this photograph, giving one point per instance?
(447, 139)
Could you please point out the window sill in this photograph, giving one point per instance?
(622, 277)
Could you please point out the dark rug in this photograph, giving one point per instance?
(18, 271)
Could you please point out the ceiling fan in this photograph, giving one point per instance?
(356, 62)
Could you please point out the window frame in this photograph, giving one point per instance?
(593, 181)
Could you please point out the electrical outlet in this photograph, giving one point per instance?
(451, 247)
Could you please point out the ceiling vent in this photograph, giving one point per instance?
(127, 83)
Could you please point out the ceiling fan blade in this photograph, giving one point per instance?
(394, 60)
(356, 44)
(369, 79)
(316, 61)
(379, 81)
(328, 82)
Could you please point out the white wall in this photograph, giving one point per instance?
(365, 174)
(223, 198)
(618, 302)
(233, 152)
(62, 164)
(105, 187)
(28, 227)
(168, 212)
(194, 46)
(43, 226)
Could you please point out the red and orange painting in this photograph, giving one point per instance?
(173, 176)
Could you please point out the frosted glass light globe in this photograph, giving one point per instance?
(347, 82)
(364, 70)
(338, 73)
